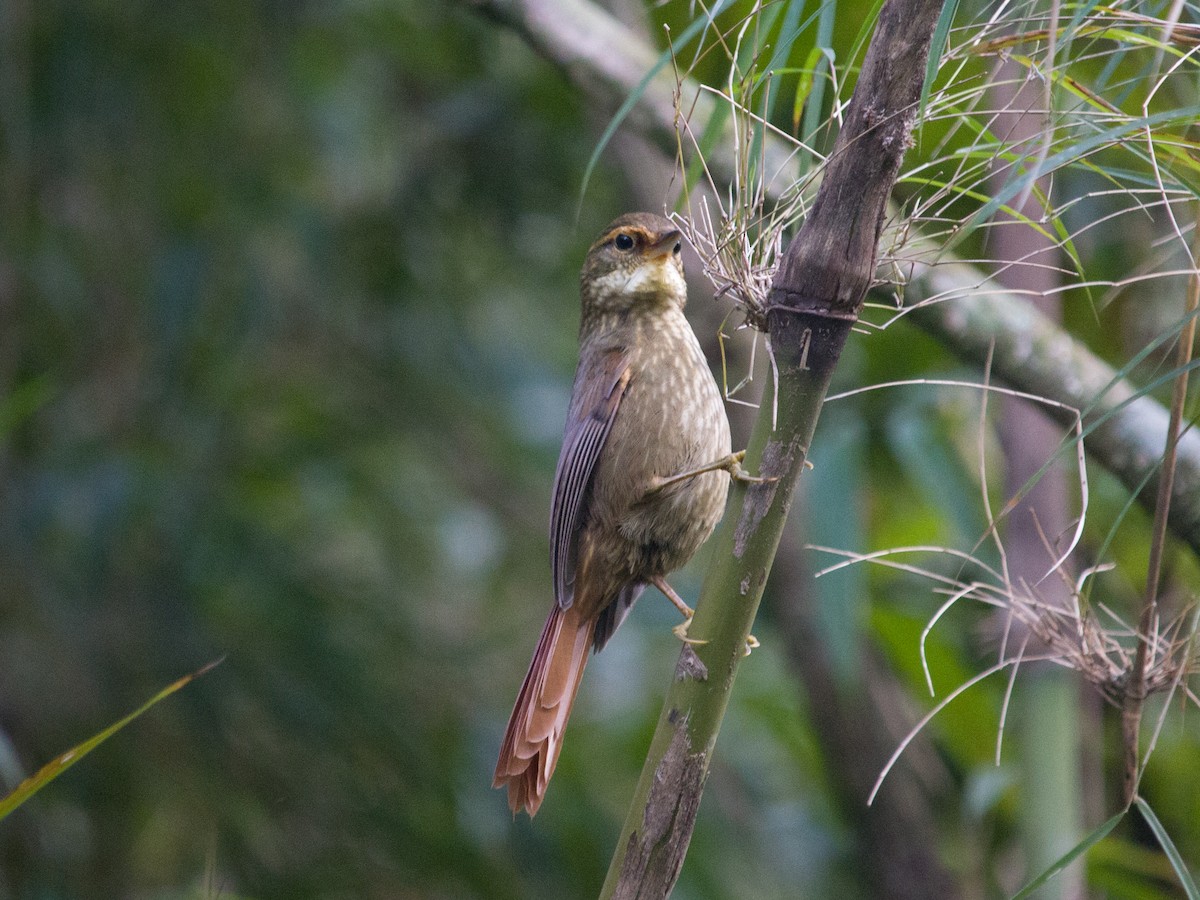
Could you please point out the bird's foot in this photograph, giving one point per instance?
(731, 464)
(681, 631)
(738, 472)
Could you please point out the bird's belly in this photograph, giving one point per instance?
(657, 531)
(666, 528)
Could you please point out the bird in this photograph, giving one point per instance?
(641, 480)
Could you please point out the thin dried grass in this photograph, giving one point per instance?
(1124, 141)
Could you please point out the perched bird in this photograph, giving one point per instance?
(639, 485)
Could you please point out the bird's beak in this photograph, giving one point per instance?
(665, 245)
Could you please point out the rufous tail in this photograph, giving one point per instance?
(539, 717)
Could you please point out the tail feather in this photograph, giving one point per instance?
(533, 738)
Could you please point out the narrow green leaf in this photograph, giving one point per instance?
(788, 32)
(813, 115)
(941, 34)
(804, 85)
(1071, 855)
(1168, 845)
(1081, 13)
(1062, 79)
(1071, 154)
(751, 84)
(749, 55)
(60, 764)
(636, 94)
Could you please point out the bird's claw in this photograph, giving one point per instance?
(680, 631)
(739, 473)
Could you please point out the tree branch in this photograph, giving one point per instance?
(1127, 432)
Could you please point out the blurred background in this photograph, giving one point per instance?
(288, 310)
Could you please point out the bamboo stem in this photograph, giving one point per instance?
(814, 302)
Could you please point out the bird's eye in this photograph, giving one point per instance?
(623, 242)
(678, 247)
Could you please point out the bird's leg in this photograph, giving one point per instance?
(680, 630)
(731, 464)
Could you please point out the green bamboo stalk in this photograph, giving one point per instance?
(1046, 713)
(656, 833)
(813, 303)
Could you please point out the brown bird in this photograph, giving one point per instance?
(639, 485)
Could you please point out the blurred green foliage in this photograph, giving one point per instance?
(287, 307)
(287, 326)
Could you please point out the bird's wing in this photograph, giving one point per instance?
(600, 384)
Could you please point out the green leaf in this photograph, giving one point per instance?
(1072, 154)
(1168, 845)
(813, 114)
(1071, 855)
(636, 94)
(941, 34)
(60, 764)
(804, 84)
(788, 32)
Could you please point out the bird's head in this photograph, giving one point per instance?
(637, 262)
